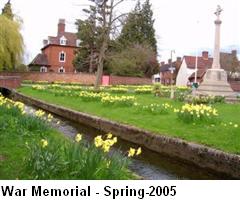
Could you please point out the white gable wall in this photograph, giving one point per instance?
(183, 74)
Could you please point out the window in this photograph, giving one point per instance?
(78, 42)
(62, 56)
(61, 70)
(63, 41)
(43, 69)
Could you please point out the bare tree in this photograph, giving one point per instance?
(106, 19)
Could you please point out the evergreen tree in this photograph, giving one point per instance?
(85, 58)
(138, 28)
(7, 10)
(148, 30)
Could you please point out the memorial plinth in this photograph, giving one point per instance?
(215, 80)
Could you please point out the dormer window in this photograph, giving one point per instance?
(63, 41)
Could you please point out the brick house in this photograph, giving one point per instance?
(165, 73)
(57, 53)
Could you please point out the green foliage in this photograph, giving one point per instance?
(204, 99)
(33, 150)
(21, 68)
(7, 11)
(136, 60)
(138, 28)
(85, 58)
(42, 163)
(190, 113)
(11, 44)
(155, 109)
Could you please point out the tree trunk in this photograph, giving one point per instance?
(100, 66)
(91, 61)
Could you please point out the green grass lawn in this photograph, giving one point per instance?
(221, 137)
(15, 131)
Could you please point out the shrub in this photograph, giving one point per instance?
(204, 99)
(157, 89)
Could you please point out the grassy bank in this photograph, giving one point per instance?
(223, 135)
(31, 149)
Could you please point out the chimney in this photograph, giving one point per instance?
(205, 55)
(162, 63)
(61, 26)
(179, 59)
(234, 52)
(45, 42)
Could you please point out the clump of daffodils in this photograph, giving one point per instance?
(19, 105)
(8, 103)
(106, 144)
(92, 96)
(44, 143)
(144, 90)
(118, 90)
(156, 108)
(193, 113)
(40, 113)
(134, 152)
(38, 87)
(118, 100)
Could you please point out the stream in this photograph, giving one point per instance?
(149, 165)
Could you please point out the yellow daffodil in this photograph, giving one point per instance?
(139, 151)
(131, 152)
(98, 141)
(115, 140)
(78, 138)
(44, 143)
(109, 136)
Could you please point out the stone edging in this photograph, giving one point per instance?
(200, 155)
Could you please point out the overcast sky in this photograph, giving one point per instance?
(181, 25)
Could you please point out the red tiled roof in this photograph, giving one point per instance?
(202, 63)
(71, 39)
(200, 74)
(41, 60)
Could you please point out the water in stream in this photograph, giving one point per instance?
(149, 165)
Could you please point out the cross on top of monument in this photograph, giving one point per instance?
(218, 11)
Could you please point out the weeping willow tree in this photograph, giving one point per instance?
(11, 43)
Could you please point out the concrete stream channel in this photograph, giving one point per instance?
(150, 165)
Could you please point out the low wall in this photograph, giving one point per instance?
(86, 79)
(11, 82)
(116, 80)
(235, 85)
(202, 156)
(81, 78)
